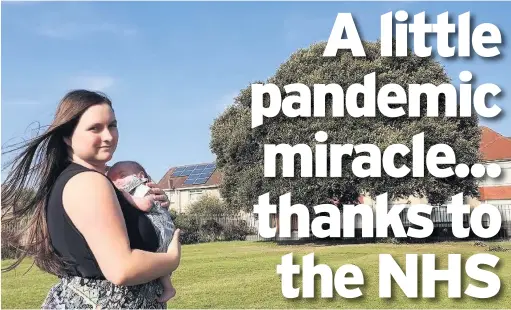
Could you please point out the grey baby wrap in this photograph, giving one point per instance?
(159, 216)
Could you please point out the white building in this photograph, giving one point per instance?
(496, 148)
(186, 184)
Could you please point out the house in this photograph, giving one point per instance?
(495, 148)
(184, 185)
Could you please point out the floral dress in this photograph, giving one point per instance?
(82, 293)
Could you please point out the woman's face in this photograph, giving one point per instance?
(95, 137)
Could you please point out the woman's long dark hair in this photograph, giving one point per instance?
(35, 170)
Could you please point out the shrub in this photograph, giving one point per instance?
(189, 229)
(208, 206)
(207, 220)
(196, 229)
(9, 250)
(237, 231)
(173, 214)
(211, 230)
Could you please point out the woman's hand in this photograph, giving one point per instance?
(175, 247)
(158, 195)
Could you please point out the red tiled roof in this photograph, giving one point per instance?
(495, 192)
(170, 182)
(494, 146)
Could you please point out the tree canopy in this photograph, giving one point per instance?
(240, 148)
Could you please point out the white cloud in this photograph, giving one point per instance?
(93, 82)
(72, 30)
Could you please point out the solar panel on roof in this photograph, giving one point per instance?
(200, 181)
(198, 174)
(178, 171)
(184, 171)
(189, 181)
(194, 170)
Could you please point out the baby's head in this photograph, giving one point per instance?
(121, 172)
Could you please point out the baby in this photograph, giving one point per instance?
(130, 177)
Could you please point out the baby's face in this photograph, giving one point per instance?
(122, 175)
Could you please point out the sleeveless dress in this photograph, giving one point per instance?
(84, 286)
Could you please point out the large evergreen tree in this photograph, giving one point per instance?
(239, 148)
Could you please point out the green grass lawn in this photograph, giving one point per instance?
(243, 275)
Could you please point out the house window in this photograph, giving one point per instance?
(195, 195)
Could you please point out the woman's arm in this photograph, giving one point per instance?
(90, 201)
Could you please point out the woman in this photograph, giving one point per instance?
(81, 227)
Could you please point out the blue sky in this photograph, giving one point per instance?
(172, 67)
